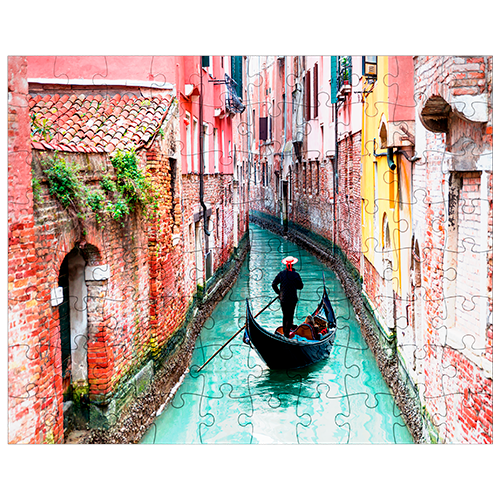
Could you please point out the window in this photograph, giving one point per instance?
(345, 71)
(307, 96)
(237, 74)
(196, 159)
(315, 91)
(273, 113)
(263, 128)
(283, 109)
(216, 150)
(188, 151)
(317, 177)
(253, 124)
(370, 67)
(205, 148)
(217, 221)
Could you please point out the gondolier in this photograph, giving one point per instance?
(304, 349)
(289, 281)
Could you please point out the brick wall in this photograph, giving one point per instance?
(312, 197)
(131, 313)
(349, 198)
(218, 196)
(34, 410)
(453, 193)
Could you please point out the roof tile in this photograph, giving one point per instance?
(103, 123)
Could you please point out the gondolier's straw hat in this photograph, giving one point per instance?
(289, 261)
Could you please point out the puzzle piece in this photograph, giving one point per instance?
(151, 197)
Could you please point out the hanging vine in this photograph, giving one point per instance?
(115, 198)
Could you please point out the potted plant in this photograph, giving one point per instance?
(344, 70)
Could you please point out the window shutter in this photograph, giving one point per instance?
(333, 81)
(237, 74)
(307, 96)
(316, 92)
(205, 61)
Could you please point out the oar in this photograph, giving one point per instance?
(217, 352)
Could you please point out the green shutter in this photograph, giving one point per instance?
(333, 73)
(237, 74)
(205, 61)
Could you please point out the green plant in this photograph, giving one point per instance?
(344, 69)
(41, 126)
(95, 200)
(131, 182)
(115, 198)
(64, 182)
(118, 209)
(108, 184)
(36, 187)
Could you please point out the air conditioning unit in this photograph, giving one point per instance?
(370, 69)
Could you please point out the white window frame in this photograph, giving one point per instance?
(189, 159)
(216, 150)
(206, 164)
(195, 145)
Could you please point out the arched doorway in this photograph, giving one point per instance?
(73, 337)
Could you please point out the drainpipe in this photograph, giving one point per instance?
(283, 198)
(202, 154)
(335, 173)
(389, 155)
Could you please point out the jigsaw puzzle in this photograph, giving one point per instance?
(152, 198)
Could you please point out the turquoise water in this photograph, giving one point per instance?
(237, 399)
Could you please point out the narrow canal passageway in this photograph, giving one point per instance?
(237, 399)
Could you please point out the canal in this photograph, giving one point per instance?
(237, 399)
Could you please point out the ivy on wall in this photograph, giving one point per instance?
(115, 196)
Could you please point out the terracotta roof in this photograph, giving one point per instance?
(94, 123)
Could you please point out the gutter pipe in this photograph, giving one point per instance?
(202, 154)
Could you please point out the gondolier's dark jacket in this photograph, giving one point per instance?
(290, 282)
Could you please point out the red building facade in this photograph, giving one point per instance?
(112, 283)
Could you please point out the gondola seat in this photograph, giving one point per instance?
(304, 331)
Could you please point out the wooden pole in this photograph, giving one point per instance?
(241, 329)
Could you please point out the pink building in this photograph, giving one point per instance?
(176, 114)
(208, 213)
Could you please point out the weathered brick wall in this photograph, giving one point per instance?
(312, 197)
(218, 196)
(131, 313)
(349, 198)
(373, 285)
(453, 193)
(34, 409)
(120, 317)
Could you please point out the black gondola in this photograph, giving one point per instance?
(281, 353)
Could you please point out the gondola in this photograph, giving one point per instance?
(281, 353)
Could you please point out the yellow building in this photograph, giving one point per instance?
(387, 155)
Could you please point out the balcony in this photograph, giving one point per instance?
(344, 76)
(234, 103)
